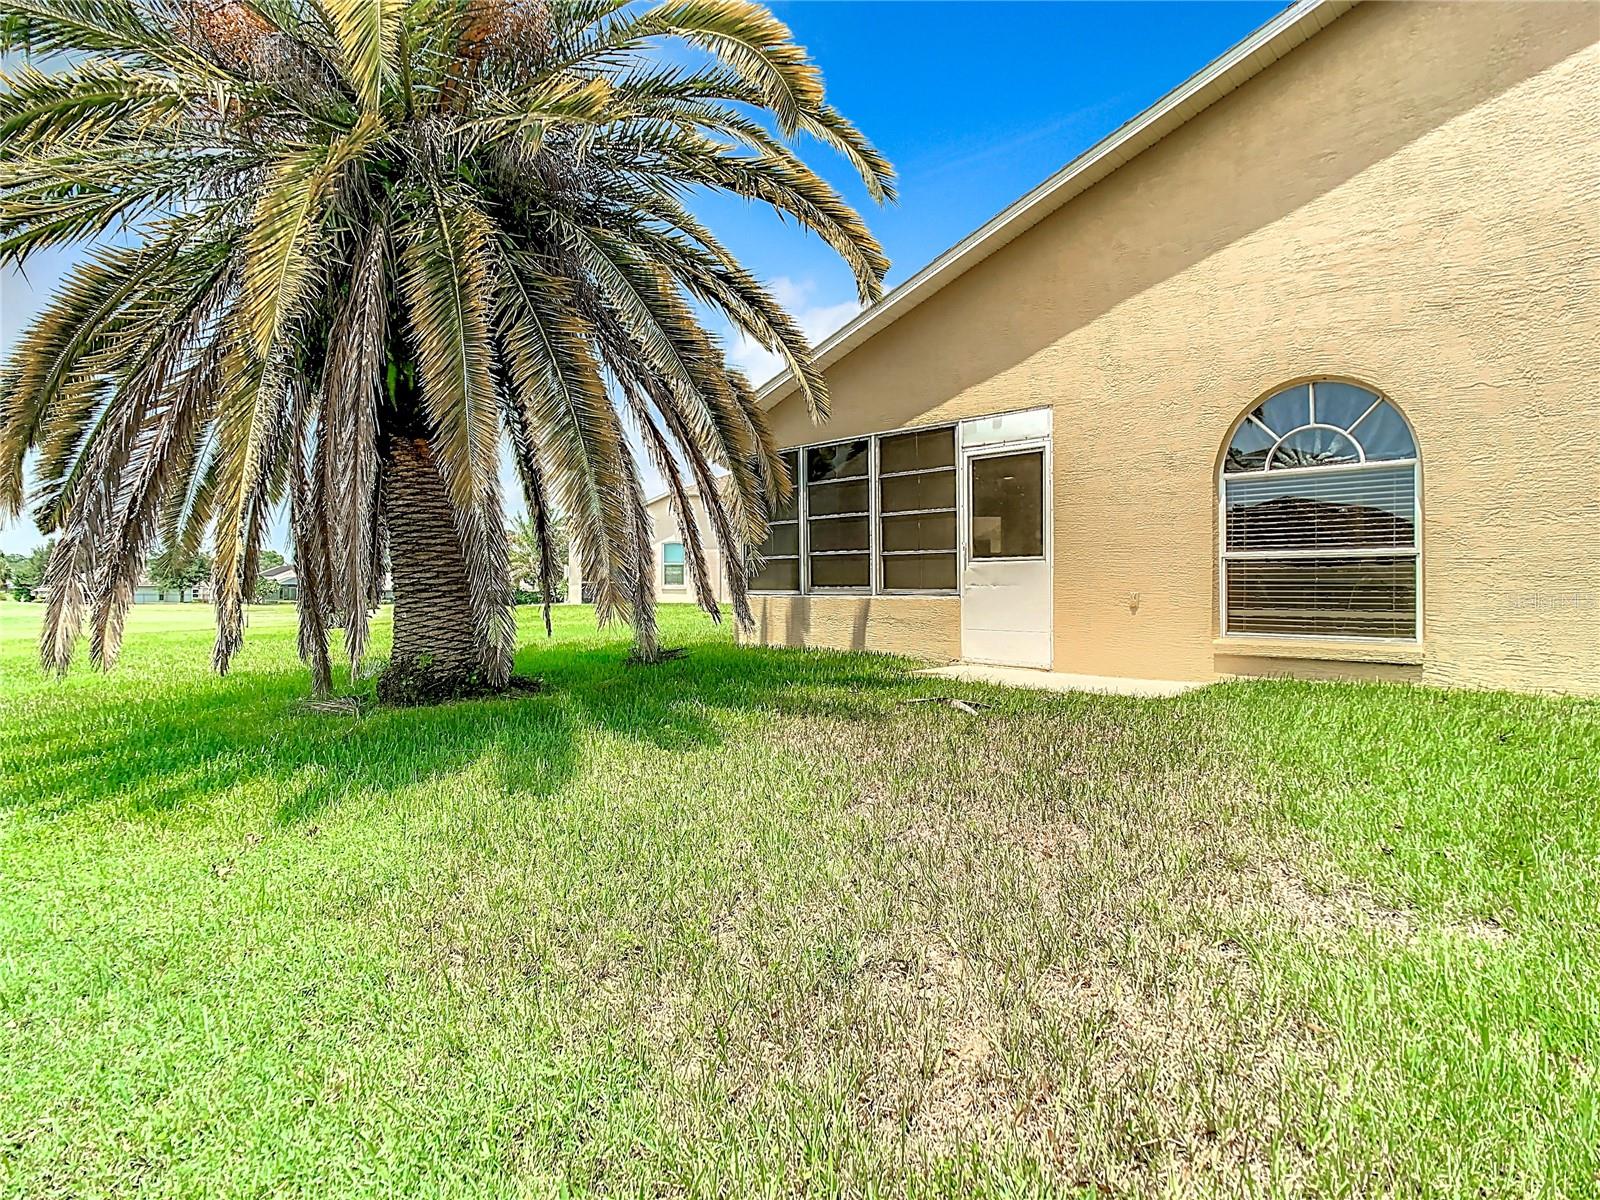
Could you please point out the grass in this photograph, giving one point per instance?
(748, 924)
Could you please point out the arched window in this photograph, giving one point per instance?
(1320, 517)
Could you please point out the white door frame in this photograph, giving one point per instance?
(965, 456)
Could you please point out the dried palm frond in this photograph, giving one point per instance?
(346, 461)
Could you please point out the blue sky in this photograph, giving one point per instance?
(974, 102)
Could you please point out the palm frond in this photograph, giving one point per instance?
(280, 246)
(112, 27)
(135, 355)
(701, 99)
(67, 591)
(447, 284)
(715, 278)
(103, 507)
(526, 456)
(160, 461)
(639, 580)
(187, 514)
(556, 381)
(531, 111)
(653, 317)
(368, 32)
(308, 529)
(806, 198)
(71, 194)
(755, 44)
(828, 126)
(724, 526)
(72, 324)
(99, 98)
(347, 448)
(662, 459)
(251, 426)
(72, 562)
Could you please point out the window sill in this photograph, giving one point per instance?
(859, 594)
(1407, 653)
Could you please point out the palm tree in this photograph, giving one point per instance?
(343, 250)
(537, 555)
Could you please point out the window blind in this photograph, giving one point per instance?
(1323, 597)
(1325, 551)
(1325, 509)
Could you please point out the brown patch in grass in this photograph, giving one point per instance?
(1021, 941)
(1333, 914)
(1319, 914)
(1120, 1043)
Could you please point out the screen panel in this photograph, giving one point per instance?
(838, 515)
(781, 550)
(917, 511)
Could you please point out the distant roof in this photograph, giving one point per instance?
(690, 489)
(1289, 29)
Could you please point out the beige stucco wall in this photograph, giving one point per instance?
(1410, 200)
(916, 626)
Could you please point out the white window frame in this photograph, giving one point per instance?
(1006, 450)
(682, 566)
(806, 586)
(954, 510)
(874, 516)
(1364, 466)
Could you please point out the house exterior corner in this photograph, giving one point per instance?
(1400, 207)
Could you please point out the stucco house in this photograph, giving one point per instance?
(670, 565)
(148, 591)
(1294, 373)
(281, 582)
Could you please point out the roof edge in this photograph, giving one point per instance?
(1224, 74)
(690, 489)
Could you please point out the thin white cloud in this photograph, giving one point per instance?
(816, 320)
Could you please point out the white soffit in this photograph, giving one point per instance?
(1289, 29)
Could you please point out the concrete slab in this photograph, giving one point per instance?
(1055, 681)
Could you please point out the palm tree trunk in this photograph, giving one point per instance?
(436, 653)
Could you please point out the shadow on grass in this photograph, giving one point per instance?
(173, 746)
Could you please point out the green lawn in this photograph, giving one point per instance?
(748, 924)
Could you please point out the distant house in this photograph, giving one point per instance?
(147, 591)
(278, 583)
(669, 558)
(281, 584)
